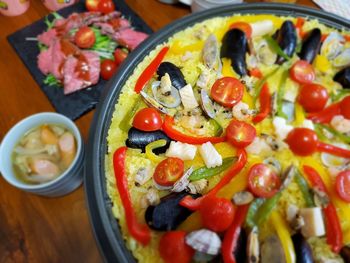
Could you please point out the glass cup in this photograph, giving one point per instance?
(13, 7)
(54, 5)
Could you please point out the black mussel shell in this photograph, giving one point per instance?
(168, 214)
(302, 249)
(311, 46)
(234, 47)
(287, 40)
(345, 254)
(175, 74)
(240, 251)
(139, 139)
(343, 77)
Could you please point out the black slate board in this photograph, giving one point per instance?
(74, 105)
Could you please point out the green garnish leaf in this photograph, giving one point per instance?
(51, 80)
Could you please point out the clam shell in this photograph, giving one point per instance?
(343, 59)
(204, 241)
(333, 45)
(207, 104)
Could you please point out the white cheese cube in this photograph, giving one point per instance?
(314, 225)
(181, 150)
(187, 97)
(281, 127)
(210, 155)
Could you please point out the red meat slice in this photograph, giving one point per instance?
(47, 37)
(51, 60)
(129, 38)
(73, 80)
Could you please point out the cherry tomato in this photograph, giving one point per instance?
(343, 185)
(108, 68)
(263, 181)
(168, 171)
(147, 119)
(302, 141)
(92, 5)
(240, 134)
(217, 213)
(243, 26)
(119, 56)
(345, 107)
(313, 97)
(302, 72)
(173, 248)
(85, 37)
(106, 6)
(227, 91)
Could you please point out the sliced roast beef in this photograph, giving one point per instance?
(52, 59)
(47, 37)
(102, 19)
(119, 23)
(81, 71)
(129, 38)
(106, 28)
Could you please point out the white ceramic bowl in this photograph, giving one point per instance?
(65, 183)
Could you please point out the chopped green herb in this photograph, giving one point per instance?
(51, 80)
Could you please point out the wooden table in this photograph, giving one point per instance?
(34, 228)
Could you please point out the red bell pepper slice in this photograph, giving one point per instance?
(265, 104)
(138, 231)
(194, 204)
(147, 74)
(231, 237)
(255, 72)
(333, 228)
(168, 128)
(328, 148)
(299, 25)
(325, 115)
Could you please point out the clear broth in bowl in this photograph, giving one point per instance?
(43, 153)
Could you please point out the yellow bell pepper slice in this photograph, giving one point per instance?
(299, 115)
(322, 64)
(176, 48)
(281, 228)
(154, 145)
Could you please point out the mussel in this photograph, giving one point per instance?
(168, 214)
(343, 77)
(302, 249)
(287, 40)
(240, 251)
(234, 47)
(139, 139)
(176, 76)
(272, 250)
(345, 254)
(311, 46)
